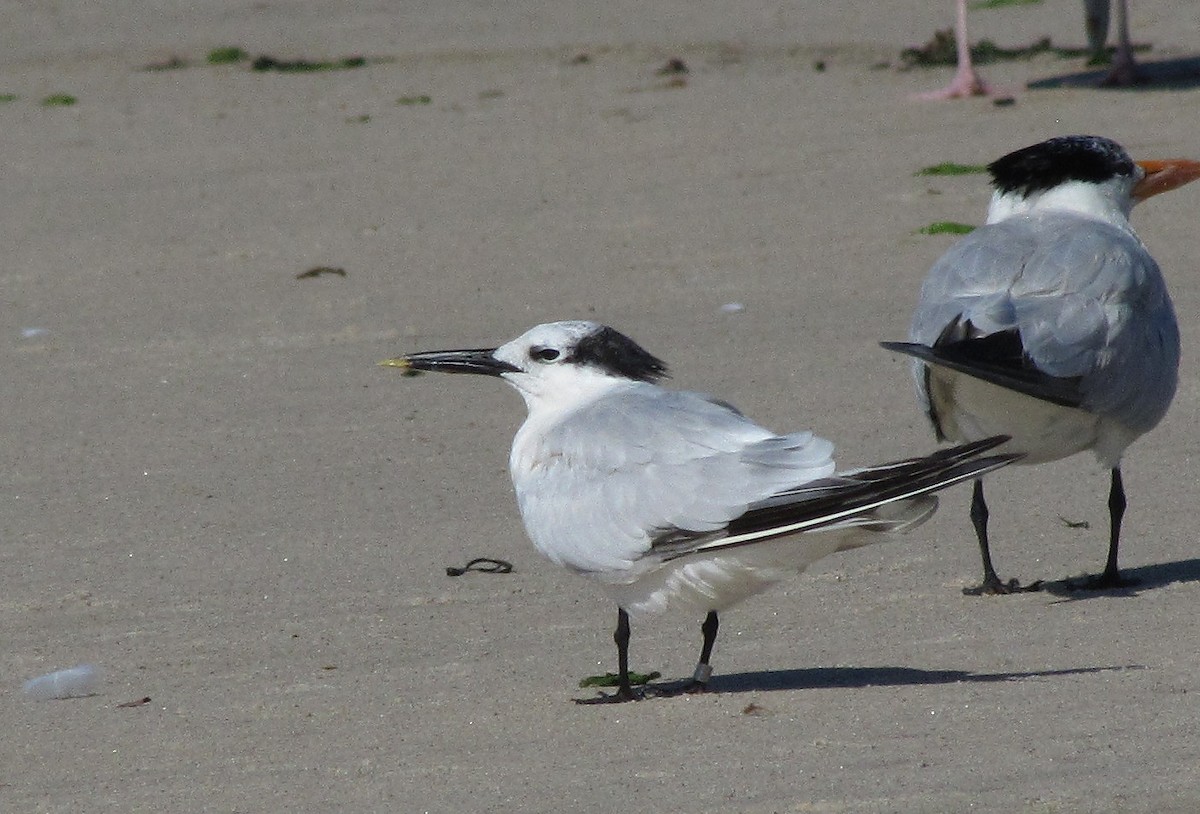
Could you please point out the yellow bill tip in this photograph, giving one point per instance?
(400, 362)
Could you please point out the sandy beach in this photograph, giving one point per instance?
(214, 494)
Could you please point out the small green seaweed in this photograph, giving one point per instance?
(946, 227)
(8, 97)
(610, 679)
(226, 55)
(59, 100)
(421, 99)
(951, 168)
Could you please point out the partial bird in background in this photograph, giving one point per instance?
(1124, 71)
(967, 81)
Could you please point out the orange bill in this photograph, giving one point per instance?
(1165, 175)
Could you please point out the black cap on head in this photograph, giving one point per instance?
(614, 352)
(1067, 158)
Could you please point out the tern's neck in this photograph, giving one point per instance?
(563, 390)
(1109, 202)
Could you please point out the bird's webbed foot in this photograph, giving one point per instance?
(621, 696)
(696, 685)
(993, 586)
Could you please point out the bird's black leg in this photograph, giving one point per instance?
(1116, 513)
(1111, 578)
(708, 628)
(991, 583)
(624, 689)
(621, 638)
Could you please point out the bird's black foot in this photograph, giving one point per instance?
(994, 587)
(1100, 582)
(619, 697)
(691, 687)
(631, 688)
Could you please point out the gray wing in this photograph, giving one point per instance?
(627, 469)
(1085, 299)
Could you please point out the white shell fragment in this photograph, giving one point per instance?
(74, 682)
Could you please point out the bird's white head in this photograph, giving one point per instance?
(1090, 176)
(556, 362)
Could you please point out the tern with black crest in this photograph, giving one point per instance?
(1052, 323)
(674, 499)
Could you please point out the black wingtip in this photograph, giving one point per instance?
(977, 358)
(972, 448)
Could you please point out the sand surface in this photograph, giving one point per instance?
(213, 493)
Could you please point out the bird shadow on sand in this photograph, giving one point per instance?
(1182, 73)
(1142, 578)
(815, 678)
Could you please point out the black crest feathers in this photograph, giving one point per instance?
(1045, 165)
(612, 351)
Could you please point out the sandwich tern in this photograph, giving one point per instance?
(672, 498)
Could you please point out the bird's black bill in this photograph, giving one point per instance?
(480, 361)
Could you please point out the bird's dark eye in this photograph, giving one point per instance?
(544, 354)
